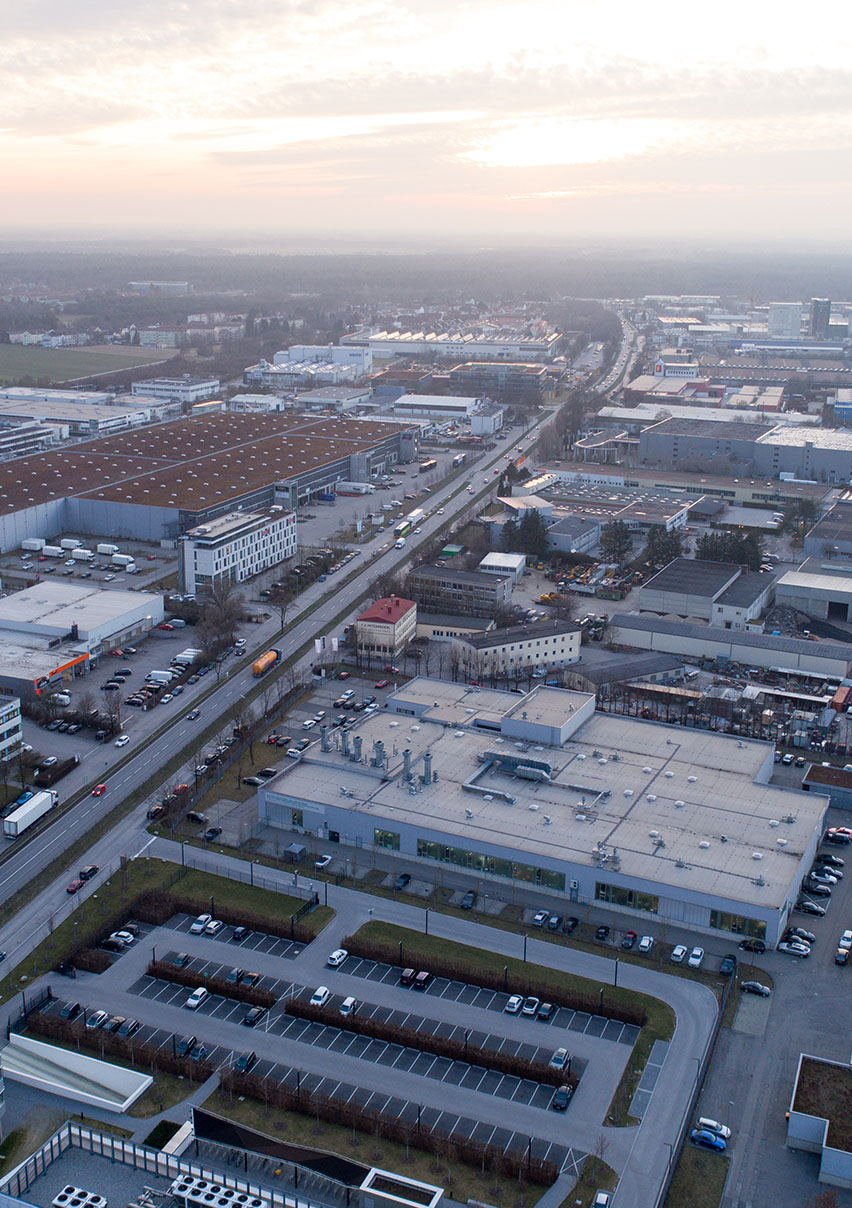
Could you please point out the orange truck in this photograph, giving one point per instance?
(268, 659)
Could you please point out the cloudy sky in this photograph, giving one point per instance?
(526, 120)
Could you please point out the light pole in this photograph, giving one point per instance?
(525, 945)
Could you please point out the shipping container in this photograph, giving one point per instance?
(28, 813)
(33, 544)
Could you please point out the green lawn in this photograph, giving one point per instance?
(66, 364)
(699, 1179)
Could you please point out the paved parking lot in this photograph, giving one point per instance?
(573, 1021)
(255, 941)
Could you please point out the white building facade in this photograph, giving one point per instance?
(234, 547)
(11, 735)
(178, 390)
(518, 650)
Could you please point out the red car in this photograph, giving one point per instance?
(75, 885)
(99, 790)
(344, 675)
(165, 625)
(392, 670)
(151, 558)
(382, 684)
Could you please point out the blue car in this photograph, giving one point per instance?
(707, 1140)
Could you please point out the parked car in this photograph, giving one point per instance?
(695, 958)
(707, 1140)
(728, 965)
(200, 923)
(402, 880)
(320, 996)
(129, 1027)
(97, 1019)
(602, 933)
(337, 958)
(212, 832)
(196, 998)
(713, 1126)
(70, 1010)
(806, 906)
(181, 960)
(214, 927)
(422, 980)
(562, 1098)
(514, 1004)
(245, 1062)
(755, 987)
(628, 939)
(570, 925)
(540, 918)
(239, 934)
(646, 944)
(830, 860)
(468, 901)
(323, 862)
(254, 1016)
(348, 1007)
(559, 1059)
(531, 1005)
(546, 1011)
(799, 933)
(185, 1045)
(817, 890)
(794, 948)
(554, 923)
(752, 946)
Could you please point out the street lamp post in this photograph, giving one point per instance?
(525, 945)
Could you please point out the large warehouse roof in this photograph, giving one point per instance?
(738, 637)
(189, 464)
(679, 807)
(62, 605)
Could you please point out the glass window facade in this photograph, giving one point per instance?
(386, 838)
(722, 920)
(496, 866)
(634, 899)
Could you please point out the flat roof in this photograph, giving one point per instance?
(665, 478)
(66, 604)
(820, 438)
(831, 777)
(617, 781)
(521, 633)
(473, 578)
(189, 464)
(734, 637)
(838, 585)
(516, 561)
(692, 576)
(233, 522)
(747, 589)
(622, 668)
(836, 524)
(452, 621)
(706, 427)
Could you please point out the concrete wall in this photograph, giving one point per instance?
(40, 520)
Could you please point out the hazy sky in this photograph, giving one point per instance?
(529, 120)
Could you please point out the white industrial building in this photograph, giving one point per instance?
(435, 406)
(359, 359)
(295, 374)
(178, 390)
(785, 320)
(696, 641)
(234, 547)
(499, 345)
(726, 595)
(504, 564)
(541, 791)
(518, 650)
(11, 735)
(822, 588)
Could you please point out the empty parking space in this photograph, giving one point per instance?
(254, 941)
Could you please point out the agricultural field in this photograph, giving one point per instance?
(66, 364)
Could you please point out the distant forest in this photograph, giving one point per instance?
(438, 278)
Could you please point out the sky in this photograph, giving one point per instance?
(477, 119)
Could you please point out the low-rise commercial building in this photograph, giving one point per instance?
(653, 820)
(695, 641)
(504, 564)
(441, 589)
(518, 649)
(574, 535)
(510, 382)
(443, 627)
(719, 592)
(831, 536)
(386, 628)
(184, 389)
(822, 588)
(235, 547)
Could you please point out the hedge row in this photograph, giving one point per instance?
(158, 907)
(391, 1127)
(216, 985)
(387, 952)
(74, 1032)
(441, 1046)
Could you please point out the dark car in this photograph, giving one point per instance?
(251, 979)
(837, 838)
(422, 980)
(114, 1023)
(753, 987)
(199, 1052)
(91, 870)
(128, 1027)
(562, 1098)
(468, 901)
(402, 880)
(181, 960)
(816, 890)
(245, 1061)
(628, 939)
(185, 1045)
(110, 945)
(752, 946)
(212, 832)
(545, 1011)
(70, 1011)
(799, 933)
(240, 934)
(728, 965)
(235, 976)
(254, 1016)
(194, 816)
(831, 861)
(570, 925)
(155, 811)
(406, 978)
(705, 1139)
(602, 933)
(805, 906)
(554, 922)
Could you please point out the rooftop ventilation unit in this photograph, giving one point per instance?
(547, 820)
(692, 779)
(581, 756)
(628, 792)
(647, 771)
(757, 855)
(781, 842)
(679, 805)
(655, 834)
(532, 807)
(468, 814)
(774, 822)
(669, 775)
(651, 797)
(704, 844)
